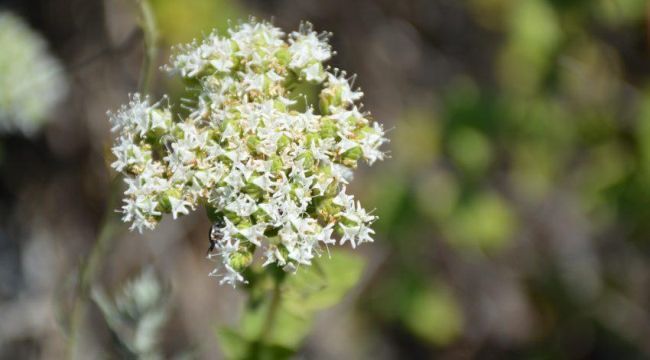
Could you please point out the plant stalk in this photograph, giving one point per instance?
(110, 223)
(150, 31)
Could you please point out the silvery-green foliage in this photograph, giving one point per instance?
(31, 80)
(137, 313)
(270, 169)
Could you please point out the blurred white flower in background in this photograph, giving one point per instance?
(32, 81)
(137, 313)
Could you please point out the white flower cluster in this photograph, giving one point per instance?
(269, 169)
(31, 80)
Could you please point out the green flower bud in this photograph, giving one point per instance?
(283, 141)
(164, 205)
(327, 209)
(259, 216)
(240, 260)
(279, 105)
(352, 156)
(310, 138)
(243, 222)
(252, 190)
(276, 164)
(225, 160)
(252, 143)
(284, 56)
(233, 217)
(326, 100)
(328, 128)
(308, 160)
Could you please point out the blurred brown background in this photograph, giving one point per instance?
(514, 210)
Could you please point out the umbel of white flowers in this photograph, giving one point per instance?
(266, 164)
(31, 80)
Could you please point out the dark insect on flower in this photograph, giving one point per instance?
(215, 234)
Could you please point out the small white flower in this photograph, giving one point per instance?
(314, 72)
(243, 206)
(231, 277)
(179, 206)
(346, 144)
(349, 234)
(254, 234)
(127, 153)
(273, 255)
(342, 173)
(339, 85)
(307, 47)
(264, 182)
(344, 200)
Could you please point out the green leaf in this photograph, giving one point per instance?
(289, 329)
(323, 284)
(293, 306)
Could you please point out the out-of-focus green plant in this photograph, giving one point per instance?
(281, 307)
(620, 12)
(183, 21)
(534, 33)
(550, 157)
(137, 313)
(428, 309)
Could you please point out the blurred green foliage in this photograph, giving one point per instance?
(180, 22)
(555, 148)
(281, 307)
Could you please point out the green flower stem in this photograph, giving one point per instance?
(266, 330)
(150, 31)
(111, 223)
